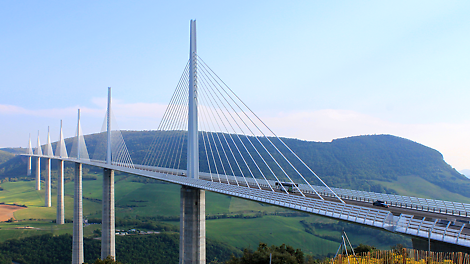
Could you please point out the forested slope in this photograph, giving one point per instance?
(139, 249)
(360, 162)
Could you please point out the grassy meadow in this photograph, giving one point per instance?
(161, 199)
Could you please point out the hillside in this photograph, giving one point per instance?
(378, 163)
(5, 156)
(236, 222)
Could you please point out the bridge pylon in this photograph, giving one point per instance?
(193, 200)
(62, 153)
(49, 153)
(108, 217)
(29, 152)
(77, 241)
(38, 165)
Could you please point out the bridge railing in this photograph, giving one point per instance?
(408, 202)
(420, 204)
(434, 230)
(362, 215)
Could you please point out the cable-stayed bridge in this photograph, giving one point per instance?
(209, 140)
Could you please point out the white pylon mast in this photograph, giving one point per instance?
(61, 150)
(193, 142)
(78, 135)
(30, 152)
(30, 149)
(39, 150)
(108, 125)
(49, 151)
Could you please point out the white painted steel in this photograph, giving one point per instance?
(29, 151)
(38, 165)
(414, 203)
(108, 129)
(193, 142)
(61, 150)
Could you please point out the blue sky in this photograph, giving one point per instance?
(315, 70)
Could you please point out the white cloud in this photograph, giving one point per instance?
(52, 113)
(119, 109)
(451, 139)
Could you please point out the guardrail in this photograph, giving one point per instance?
(404, 224)
(383, 219)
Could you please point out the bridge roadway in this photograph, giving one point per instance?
(408, 221)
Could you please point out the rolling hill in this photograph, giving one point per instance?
(380, 163)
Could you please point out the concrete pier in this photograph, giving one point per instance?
(38, 173)
(107, 219)
(28, 170)
(77, 243)
(192, 226)
(60, 193)
(48, 202)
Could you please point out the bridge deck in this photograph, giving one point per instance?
(360, 212)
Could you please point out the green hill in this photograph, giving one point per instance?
(5, 156)
(380, 163)
(370, 163)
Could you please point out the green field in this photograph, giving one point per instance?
(15, 230)
(160, 199)
(418, 187)
(275, 230)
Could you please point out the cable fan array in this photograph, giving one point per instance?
(119, 153)
(235, 145)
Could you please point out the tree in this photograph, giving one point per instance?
(282, 254)
(364, 248)
(108, 260)
(97, 232)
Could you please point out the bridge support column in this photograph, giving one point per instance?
(28, 171)
(60, 194)
(48, 202)
(192, 226)
(77, 244)
(38, 173)
(107, 219)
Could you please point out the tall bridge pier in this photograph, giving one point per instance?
(77, 241)
(49, 153)
(192, 225)
(48, 202)
(108, 217)
(61, 152)
(60, 220)
(193, 200)
(38, 165)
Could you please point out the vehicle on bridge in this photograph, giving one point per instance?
(289, 185)
(380, 203)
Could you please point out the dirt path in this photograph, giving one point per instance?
(6, 211)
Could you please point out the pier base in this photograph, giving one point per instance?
(38, 173)
(60, 193)
(107, 219)
(192, 226)
(28, 171)
(48, 202)
(77, 243)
